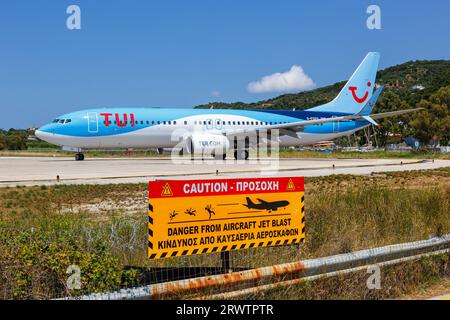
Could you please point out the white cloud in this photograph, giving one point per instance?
(215, 93)
(293, 80)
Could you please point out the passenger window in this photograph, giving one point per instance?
(147, 122)
(159, 122)
(185, 122)
(174, 122)
(153, 122)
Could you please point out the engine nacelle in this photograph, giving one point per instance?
(208, 144)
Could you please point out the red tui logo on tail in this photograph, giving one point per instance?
(358, 99)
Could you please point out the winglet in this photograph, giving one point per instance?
(368, 108)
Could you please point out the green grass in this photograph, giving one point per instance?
(42, 152)
(362, 155)
(396, 281)
(43, 230)
(284, 153)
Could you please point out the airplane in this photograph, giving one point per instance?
(264, 205)
(217, 130)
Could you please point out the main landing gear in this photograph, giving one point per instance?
(241, 154)
(79, 156)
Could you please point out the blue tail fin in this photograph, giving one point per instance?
(358, 90)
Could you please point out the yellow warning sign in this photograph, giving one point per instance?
(204, 216)
(166, 191)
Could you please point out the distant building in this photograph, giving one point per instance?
(418, 87)
(412, 142)
(399, 147)
(445, 149)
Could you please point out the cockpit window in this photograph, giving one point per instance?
(62, 121)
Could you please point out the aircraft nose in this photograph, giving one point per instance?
(41, 134)
(44, 132)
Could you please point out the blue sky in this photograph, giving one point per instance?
(184, 53)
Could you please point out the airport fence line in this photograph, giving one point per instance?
(237, 283)
(284, 283)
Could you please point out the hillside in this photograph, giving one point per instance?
(410, 81)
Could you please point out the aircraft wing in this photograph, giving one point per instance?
(262, 201)
(292, 127)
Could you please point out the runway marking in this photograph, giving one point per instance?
(214, 172)
(31, 173)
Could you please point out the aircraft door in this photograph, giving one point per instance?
(92, 122)
(336, 126)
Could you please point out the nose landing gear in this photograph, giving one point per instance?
(79, 157)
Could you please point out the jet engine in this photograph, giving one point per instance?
(208, 144)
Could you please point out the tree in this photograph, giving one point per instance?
(433, 124)
(3, 144)
(16, 141)
(390, 101)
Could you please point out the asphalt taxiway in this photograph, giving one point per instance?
(45, 170)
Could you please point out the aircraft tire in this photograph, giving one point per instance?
(241, 155)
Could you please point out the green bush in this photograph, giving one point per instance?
(35, 259)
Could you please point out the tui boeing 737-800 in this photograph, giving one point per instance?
(204, 130)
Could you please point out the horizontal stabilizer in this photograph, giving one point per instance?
(393, 113)
(367, 118)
